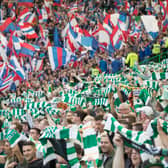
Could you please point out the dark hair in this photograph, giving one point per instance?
(29, 143)
(99, 117)
(80, 114)
(36, 129)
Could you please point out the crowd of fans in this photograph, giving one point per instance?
(129, 84)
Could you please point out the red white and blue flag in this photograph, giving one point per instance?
(28, 49)
(6, 83)
(15, 66)
(58, 56)
(37, 64)
(116, 38)
(26, 17)
(4, 71)
(28, 31)
(27, 3)
(8, 26)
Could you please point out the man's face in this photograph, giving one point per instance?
(34, 134)
(29, 152)
(7, 148)
(99, 126)
(106, 146)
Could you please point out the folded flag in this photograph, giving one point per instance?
(8, 26)
(27, 3)
(58, 56)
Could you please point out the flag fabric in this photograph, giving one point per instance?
(72, 39)
(27, 3)
(28, 31)
(89, 43)
(57, 41)
(8, 26)
(4, 71)
(26, 17)
(116, 38)
(58, 56)
(151, 25)
(107, 24)
(3, 47)
(28, 49)
(57, 2)
(17, 68)
(6, 83)
(103, 35)
(37, 64)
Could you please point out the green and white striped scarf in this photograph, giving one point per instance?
(71, 155)
(36, 113)
(48, 151)
(17, 113)
(75, 100)
(37, 105)
(100, 101)
(13, 137)
(136, 139)
(90, 144)
(159, 76)
(151, 84)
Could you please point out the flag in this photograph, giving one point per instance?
(116, 38)
(57, 41)
(57, 2)
(26, 17)
(103, 35)
(42, 15)
(3, 47)
(107, 24)
(123, 24)
(72, 43)
(89, 43)
(28, 49)
(28, 31)
(37, 65)
(4, 71)
(17, 68)
(6, 83)
(58, 56)
(151, 25)
(8, 26)
(27, 3)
